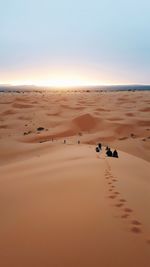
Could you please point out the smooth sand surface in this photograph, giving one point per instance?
(62, 204)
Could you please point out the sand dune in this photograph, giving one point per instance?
(62, 204)
(65, 116)
(70, 208)
(122, 128)
(8, 112)
(54, 113)
(45, 137)
(26, 118)
(85, 122)
(144, 123)
(130, 114)
(18, 105)
(145, 109)
(115, 119)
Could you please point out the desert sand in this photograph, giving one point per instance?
(65, 205)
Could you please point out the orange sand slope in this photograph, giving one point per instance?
(71, 207)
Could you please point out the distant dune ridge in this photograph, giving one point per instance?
(61, 203)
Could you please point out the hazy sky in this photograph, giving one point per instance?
(96, 41)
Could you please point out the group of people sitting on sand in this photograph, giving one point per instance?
(99, 147)
(109, 153)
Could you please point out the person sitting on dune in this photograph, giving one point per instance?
(97, 149)
(100, 146)
(115, 154)
(109, 153)
(107, 148)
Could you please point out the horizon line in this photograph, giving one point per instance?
(70, 86)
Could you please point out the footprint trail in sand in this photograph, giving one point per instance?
(121, 204)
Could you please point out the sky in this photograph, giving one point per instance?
(65, 42)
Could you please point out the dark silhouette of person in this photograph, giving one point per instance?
(107, 148)
(109, 153)
(115, 154)
(78, 142)
(64, 141)
(97, 149)
(100, 146)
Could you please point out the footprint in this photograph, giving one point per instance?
(112, 196)
(116, 193)
(136, 230)
(135, 222)
(122, 200)
(125, 216)
(148, 241)
(114, 180)
(128, 210)
(119, 205)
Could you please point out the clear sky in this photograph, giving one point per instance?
(80, 41)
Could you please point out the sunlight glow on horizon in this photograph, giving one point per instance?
(56, 78)
(56, 83)
(63, 79)
(61, 83)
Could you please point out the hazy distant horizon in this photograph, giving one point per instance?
(125, 87)
(86, 85)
